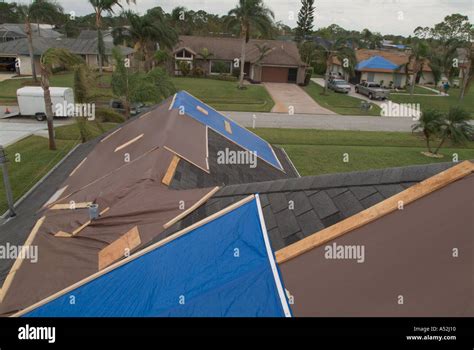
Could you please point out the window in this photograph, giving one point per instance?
(183, 54)
(221, 67)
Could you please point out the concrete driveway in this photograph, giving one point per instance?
(6, 76)
(287, 95)
(16, 129)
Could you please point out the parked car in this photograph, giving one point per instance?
(339, 85)
(135, 108)
(372, 90)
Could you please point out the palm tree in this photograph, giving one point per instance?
(263, 51)
(51, 58)
(39, 10)
(101, 6)
(248, 14)
(144, 32)
(467, 72)
(340, 51)
(206, 55)
(416, 61)
(429, 124)
(456, 127)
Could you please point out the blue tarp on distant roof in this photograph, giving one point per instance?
(376, 62)
(223, 268)
(215, 121)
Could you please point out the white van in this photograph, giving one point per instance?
(31, 100)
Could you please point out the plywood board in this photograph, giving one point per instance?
(171, 170)
(118, 249)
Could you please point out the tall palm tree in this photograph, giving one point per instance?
(101, 7)
(456, 127)
(206, 55)
(429, 124)
(467, 71)
(144, 32)
(54, 57)
(416, 61)
(37, 10)
(339, 50)
(247, 15)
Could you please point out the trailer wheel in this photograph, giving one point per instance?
(40, 117)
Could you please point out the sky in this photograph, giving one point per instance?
(384, 16)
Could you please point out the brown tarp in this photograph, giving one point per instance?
(408, 253)
(132, 191)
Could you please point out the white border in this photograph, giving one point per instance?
(276, 275)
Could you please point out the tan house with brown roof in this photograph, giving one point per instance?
(281, 63)
(386, 66)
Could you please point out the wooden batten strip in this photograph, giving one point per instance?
(136, 255)
(202, 110)
(171, 170)
(55, 196)
(375, 212)
(81, 205)
(118, 248)
(87, 223)
(17, 264)
(110, 135)
(228, 128)
(78, 166)
(63, 234)
(128, 143)
(191, 208)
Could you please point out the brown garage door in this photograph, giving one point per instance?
(275, 74)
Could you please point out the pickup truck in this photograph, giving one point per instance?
(372, 90)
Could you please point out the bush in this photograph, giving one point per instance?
(198, 72)
(108, 115)
(224, 77)
(184, 68)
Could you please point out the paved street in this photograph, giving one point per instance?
(323, 121)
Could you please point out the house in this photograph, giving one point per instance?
(13, 31)
(87, 49)
(383, 66)
(281, 63)
(87, 34)
(175, 201)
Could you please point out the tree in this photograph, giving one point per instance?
(456, 127)
(263, 51)
(9, 13)
(467, 70)
(131, 87)
(429, 124)
(246, 15)
(305, 20)
(101, 7)
(52, 58)
(340, 51)
(143, 32)
(39, 10)
(206, 55)
(416, 61)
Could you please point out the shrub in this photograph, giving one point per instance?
(108, 115)
(198, 72)
(184, 68)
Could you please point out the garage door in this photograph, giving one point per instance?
(275, 74)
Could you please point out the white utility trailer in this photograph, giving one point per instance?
(31, 101)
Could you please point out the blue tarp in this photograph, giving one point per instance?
(215, 121)
(376, 62)
(223, 268)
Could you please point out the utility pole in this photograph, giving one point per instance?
(6, 181)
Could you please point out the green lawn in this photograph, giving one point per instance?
(64, 79)
(338, 102)
(441, 103)
(317, 152)
(35, 161)
(418, 90)
(224, 95)
(71, 132)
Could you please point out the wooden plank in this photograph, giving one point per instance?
(17, 264)
(87, 223)
(110, 135)
(70, 206)
(191, 208)
(63, 234)
(375, 212)
(77, 167)
(128, 143)
(171, 170)
(136, 255)
(202, 110)
(118, 248)
(228, 128)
